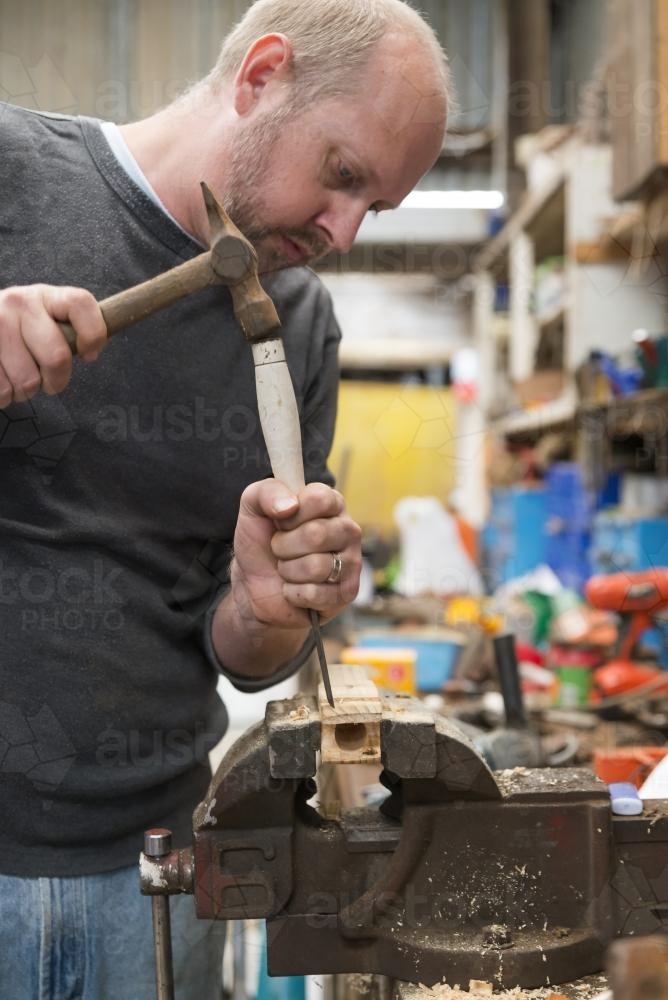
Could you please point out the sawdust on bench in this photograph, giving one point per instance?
(479, 990)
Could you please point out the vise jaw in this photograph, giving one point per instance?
(460, 874)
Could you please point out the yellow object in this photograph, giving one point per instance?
(394, 441)
(389, 669)
(463, 611)
(493, 624)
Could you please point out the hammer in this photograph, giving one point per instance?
(232, 261)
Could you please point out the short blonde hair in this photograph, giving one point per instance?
(333, 41)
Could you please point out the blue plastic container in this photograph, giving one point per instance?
(621, 542)
(570, 514)
(513, 542)
(437, 655)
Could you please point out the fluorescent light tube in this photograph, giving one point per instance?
(454, 199)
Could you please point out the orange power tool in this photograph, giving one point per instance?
(640, 598)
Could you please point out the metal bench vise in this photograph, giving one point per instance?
(520, 877)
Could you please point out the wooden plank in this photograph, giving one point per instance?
(604, 252)
(549, 416)
(637, 89)
(350, 732)
(638, 969)
(394, 354)
(541, 214)
(661, 43)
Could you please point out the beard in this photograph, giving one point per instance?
(250, 164)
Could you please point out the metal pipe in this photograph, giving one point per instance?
(509, 676)
(158, 844)
(162, 940)
(239, 960)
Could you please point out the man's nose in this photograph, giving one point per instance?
(341, 221)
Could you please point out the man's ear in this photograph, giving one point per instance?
(268, 59)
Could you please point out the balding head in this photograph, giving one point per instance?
(333, 42)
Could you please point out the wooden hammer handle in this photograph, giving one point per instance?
(131, 306)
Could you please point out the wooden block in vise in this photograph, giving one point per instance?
(350, 732)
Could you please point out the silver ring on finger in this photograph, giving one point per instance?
(337, 568)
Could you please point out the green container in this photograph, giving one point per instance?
(573, 686)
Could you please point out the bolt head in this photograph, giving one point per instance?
(157, 843)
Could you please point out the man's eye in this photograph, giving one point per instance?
(346, 174)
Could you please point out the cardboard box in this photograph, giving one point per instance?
(390, 669)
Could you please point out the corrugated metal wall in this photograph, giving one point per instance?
(466, 30)
(122, 59)
(118, 59)
(578, 42)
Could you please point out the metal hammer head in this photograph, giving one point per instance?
(235, 263)
(232, 255)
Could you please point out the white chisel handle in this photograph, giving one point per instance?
(279, 415)
(279, 418)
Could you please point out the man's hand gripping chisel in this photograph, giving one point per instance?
(232, 261)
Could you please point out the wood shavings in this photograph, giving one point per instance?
(478, 990)
(482, 991)
(300, 714)
(588, 988)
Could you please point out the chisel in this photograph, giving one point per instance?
(279, 418)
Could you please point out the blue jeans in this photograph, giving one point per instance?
(91, 938)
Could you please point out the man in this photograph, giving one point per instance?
(145, 547)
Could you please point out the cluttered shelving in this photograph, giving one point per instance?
(551, 270)
(568, 312)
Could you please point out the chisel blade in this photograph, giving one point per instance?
(315, 624)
